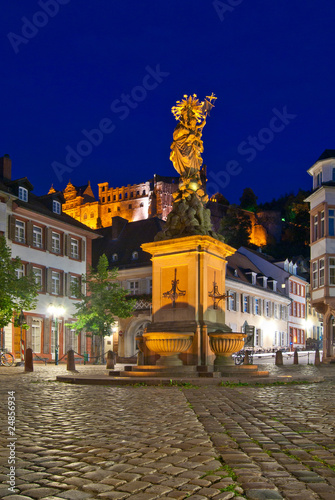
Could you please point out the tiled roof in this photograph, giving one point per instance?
(39, 205)
(328, 153)
(129, 240)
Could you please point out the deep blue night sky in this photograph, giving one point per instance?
(262, 59)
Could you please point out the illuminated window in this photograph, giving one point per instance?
(232, 301)
(322, 224)
(315, 227)
(315, 274)
(74, 284)
(85, 216)
(38, 277)
(133, 287)
(268, 308)
(37, 237)
(74, 248)
(321, 272)
(55, 283)
(20, 231)
(56, 207)
(331, 222)
(73, 340)
(20, 271)
(332, 271)
(258, 307)
(275, 310)
(55, 242)
(246, 303)
(36, 330)
(23, 194)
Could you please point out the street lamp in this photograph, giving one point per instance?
(56, 312)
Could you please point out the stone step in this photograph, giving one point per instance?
(163, 369)
(209, 375)
(244, 374)
(142, 374)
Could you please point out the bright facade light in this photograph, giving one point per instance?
(56, 311)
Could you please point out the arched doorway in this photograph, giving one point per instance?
(135, 327)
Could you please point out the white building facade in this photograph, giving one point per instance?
(57, 249)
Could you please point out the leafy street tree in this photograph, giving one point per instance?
(236, 227)
(16, 293)
(105, 301)
(248, 200)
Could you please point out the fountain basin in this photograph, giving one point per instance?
(224, 344)
(168, 345)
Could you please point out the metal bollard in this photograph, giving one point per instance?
(70, 365)
(295, 357)
(279, 358)
(110, 360)
(28, 362)
(317, 361)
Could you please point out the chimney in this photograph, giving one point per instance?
(6, 168)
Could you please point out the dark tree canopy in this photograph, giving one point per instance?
(236, 227)
(248, 200)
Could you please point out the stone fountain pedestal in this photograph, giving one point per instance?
(185, 271)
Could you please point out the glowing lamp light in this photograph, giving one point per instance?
(56, 311)
(193, 185)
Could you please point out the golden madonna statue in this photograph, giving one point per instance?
(187, 144)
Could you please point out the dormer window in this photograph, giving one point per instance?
(273, 284)
(286, 264)
(319, 179)
(290, 267)
(56, 207)
(253, 276)
(134, 255)
(23, 194)
(295, 269)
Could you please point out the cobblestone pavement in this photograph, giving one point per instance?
(142, 443)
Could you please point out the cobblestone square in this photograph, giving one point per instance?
(80, 442)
